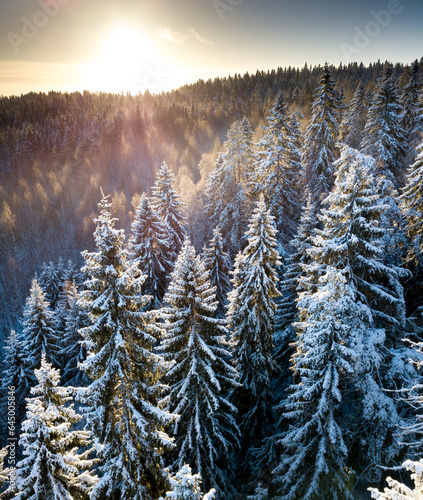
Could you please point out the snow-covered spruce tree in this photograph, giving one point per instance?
(51, 281)
(213, 196)
(187, 486)
(57, 279)
(121, 402)
(251, 314)
(279, 174)
(149, 248)
(295, 128)
(313, 464)
(399, 491)
(52, 468)
(38, 333)
(236, 167)
(246, 150)
(410, 431)
(292, 281)
(355, 118)
(72, 351)
(60, 313)
(392, 221)
(297, 141)
(352, 239)
(201, 377)
(340, 101)
(167, 205)
(216, 262)
(290, 285)
(412, 208)
(412, 115)
(384, 138)
(227, 187)
(71, 273)
(319, 151)
(15, 375)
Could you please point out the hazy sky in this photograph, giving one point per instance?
(131, 45)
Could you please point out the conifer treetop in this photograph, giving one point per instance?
(201, 376)
(38, 333)
(168, 206)
(320, 148)
(52, 468)
(124, 370)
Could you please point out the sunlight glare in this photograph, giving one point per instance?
(125, 58)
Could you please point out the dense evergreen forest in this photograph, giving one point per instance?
(226, 280)
(56, 151)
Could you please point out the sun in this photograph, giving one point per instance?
(125, 46)
(125, 58)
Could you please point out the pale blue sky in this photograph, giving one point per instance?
(44, 47)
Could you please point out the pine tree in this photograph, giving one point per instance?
(227, 187)
(313, 464)
(15, 375)
(72, 352)
(280, 172)
(187, 486)
(51, 281)
(340, 104)
(296, 133)
(355, 118)
(206, 433)
(297, 142)
(412, 208)
(167, 205)
(352, 239)
(38, 333)
(292, 281)
(214, 192)
(149, 248)
(246, 148)
(52, 467)
(60, 313)
(251, 314)
(121, 402)
(72, 274)
(319, 151)
(399, 491)
(216, 262)
(410, 431)
(290, 285)
(383, 135)
(412, 115)
(392, 221)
